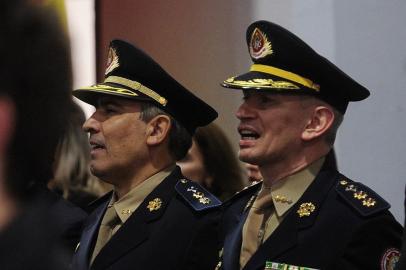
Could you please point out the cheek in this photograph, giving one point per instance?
(122, 139)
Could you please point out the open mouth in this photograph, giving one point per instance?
(248, 134)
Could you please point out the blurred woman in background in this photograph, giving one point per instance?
(212, 163)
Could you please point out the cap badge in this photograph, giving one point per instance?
(259, 45)
(155, 204)
(306, 209)
(112, 61)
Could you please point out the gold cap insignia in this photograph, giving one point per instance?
(112, 61)
(306, 209)
(259, 45)
(155, 204)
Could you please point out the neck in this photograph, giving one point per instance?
(275, 171)
(156, 163)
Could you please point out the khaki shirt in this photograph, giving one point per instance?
(127, 205)
(130, 201)
(285, 193)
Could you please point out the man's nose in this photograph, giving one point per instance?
(91, 125)
(244, 111)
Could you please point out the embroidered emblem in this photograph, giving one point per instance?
(259, 45)
(351, 188)
(155, 204)
(262, 83)
(360, 195)
(369, 202)
(112, 61)
(282, 199)
(306, 209)
(199, 195)
(389, 259)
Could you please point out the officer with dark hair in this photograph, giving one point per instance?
(304, 214)
(34, 103)
(143, 123)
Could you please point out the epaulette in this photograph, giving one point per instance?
(196, 195)
(363, 199)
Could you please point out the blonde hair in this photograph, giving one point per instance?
(71, 167)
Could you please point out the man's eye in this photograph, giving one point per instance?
(110, 110)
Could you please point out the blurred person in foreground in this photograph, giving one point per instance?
(34, 103)
(304, 214)
(211, 161)
(155, 218)
(72, 178)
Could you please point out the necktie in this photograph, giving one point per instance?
(255, 225)
(106, 230)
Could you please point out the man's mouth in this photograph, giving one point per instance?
(248, 134)
(95, 145)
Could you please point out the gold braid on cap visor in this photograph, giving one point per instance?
(137, 86)
(286, 75)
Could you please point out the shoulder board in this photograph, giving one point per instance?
(363, 199)
(196, 195)
(248, 190)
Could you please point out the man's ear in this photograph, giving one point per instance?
(320, 121)
(158, 129)
(7, 117)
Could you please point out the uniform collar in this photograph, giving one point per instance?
(287, 191)
(126, 205)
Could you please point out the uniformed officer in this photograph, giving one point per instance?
(154, 218)
(305, 214)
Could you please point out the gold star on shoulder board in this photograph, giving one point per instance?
(155, 204)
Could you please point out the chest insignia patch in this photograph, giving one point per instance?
(389, 259)
(305, 209)
(154, 205)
